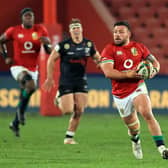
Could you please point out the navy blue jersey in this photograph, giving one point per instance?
(73, 60)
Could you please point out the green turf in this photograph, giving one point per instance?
(103, 144)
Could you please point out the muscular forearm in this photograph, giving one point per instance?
(51, 63)
(50, 69)
(115, 74)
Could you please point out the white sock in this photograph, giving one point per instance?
(70, 133)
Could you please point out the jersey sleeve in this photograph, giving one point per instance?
(59, 48)
(9, 33)
(145, 51)
(92, 49)
(107, 55)
(44, 31)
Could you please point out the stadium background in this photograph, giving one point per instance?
(148, 19)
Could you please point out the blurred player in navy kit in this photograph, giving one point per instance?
(73, 53)
(27, 39)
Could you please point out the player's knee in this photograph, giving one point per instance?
(65, 110)
(148, 116)
(27, 82)
(144, 110)
(23, 79)
(77, 115)
(79, 108)
(78, 111)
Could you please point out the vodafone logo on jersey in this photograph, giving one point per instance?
(128, 63)
(20, 35)
(28, 46)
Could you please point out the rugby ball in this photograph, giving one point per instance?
(145, 69)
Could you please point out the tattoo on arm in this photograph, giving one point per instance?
(151, 58)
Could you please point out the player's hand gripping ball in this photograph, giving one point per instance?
(145, 69)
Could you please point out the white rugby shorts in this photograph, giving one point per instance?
(125, 105)
(16, 70)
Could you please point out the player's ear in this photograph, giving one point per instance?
(81, 29)
(130, 34)
(21, 18)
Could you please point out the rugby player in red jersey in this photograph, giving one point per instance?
(27, 39)
(73, 53)
(119, 62)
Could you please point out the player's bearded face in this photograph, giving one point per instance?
(121, 35)
(28, 19)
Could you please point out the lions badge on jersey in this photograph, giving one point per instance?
(134, 51)
(66, 46)
(34, 36)
(89, 44)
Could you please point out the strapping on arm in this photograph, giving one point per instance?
(3, 50)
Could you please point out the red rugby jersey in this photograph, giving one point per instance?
(26, 44)
(124, 58)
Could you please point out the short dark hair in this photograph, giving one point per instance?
(122, 23)
(75, 20)
(24, 10)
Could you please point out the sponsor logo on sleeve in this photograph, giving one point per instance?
(20, 35)
(119, 52)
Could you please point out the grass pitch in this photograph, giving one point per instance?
(103, 143)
